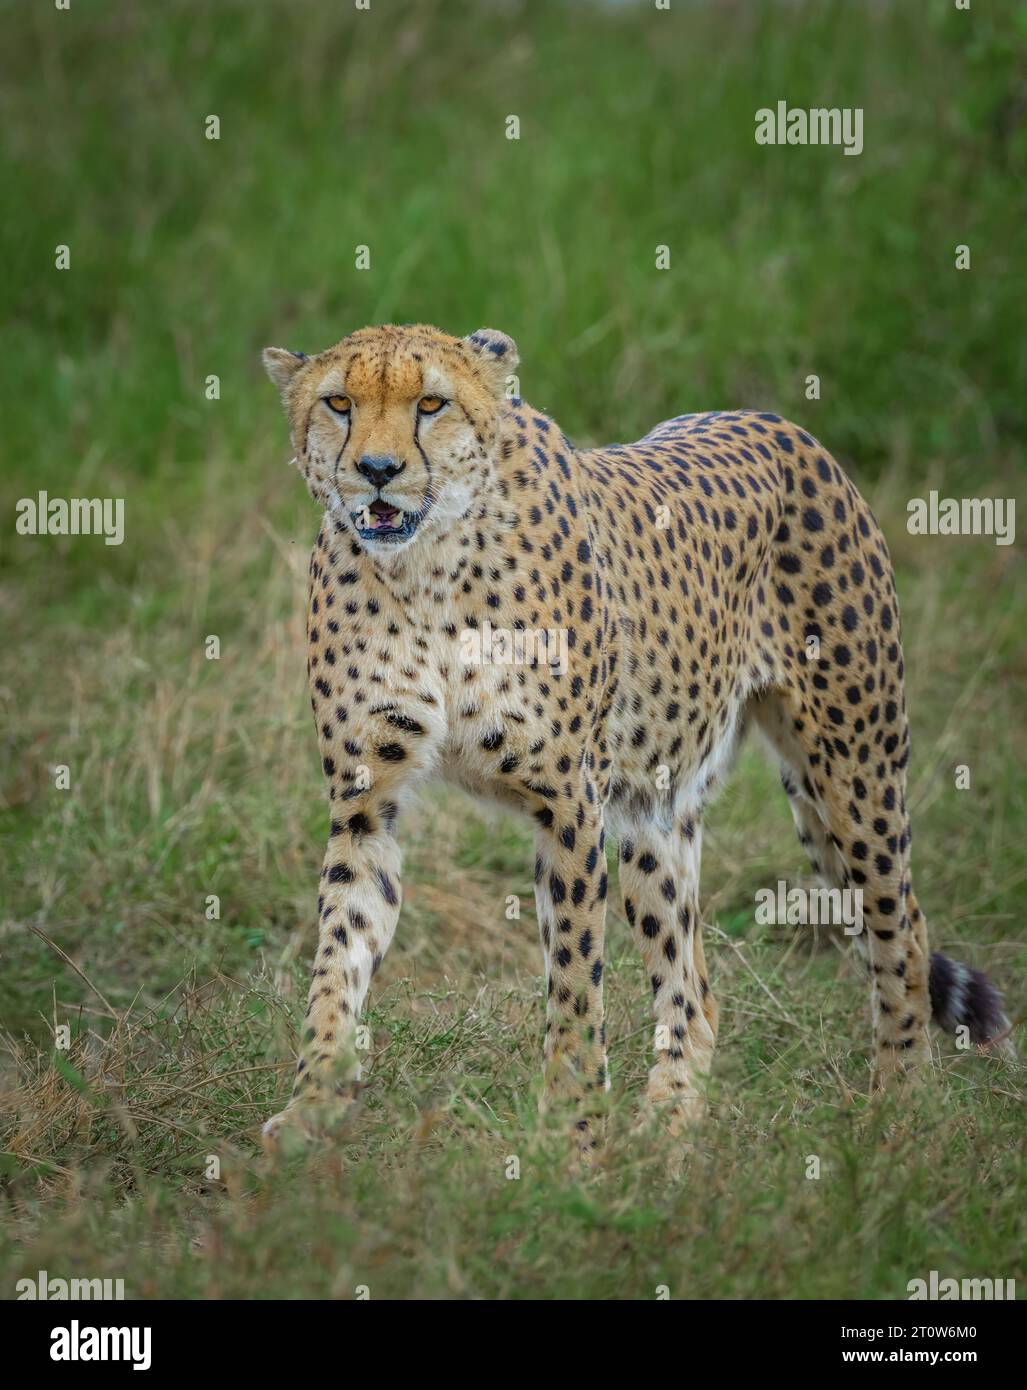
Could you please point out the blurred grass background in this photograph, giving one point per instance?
(385, 128)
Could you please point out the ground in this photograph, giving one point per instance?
(194, 778)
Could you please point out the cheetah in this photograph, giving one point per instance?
(721, 573)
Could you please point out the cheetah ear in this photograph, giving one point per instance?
(496, 355)
(281, 366)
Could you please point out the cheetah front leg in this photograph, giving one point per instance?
(570, 895)
(358, 908)
(659, 877)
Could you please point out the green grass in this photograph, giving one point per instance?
(193, 778)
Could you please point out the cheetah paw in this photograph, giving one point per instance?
(679, 1113)
(304, 1122)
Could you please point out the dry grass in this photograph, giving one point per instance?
(193, 778)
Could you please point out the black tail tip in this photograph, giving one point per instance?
(965, 998)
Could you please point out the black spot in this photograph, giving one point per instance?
(386, 886)
(402, 721)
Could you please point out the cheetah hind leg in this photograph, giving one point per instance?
(659, 879)
(852, 820)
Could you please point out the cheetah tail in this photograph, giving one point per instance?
(966, 998)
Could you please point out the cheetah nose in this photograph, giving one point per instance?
(379, 469)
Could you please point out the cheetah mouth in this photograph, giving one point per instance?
(382, 522)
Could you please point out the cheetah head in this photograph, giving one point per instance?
(395, 428)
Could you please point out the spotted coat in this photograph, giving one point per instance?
(722, 572)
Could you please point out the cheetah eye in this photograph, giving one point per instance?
(340, 404)
(430, 405)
